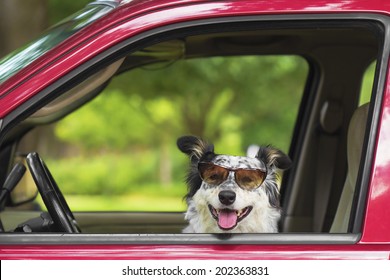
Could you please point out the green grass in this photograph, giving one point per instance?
(132, 202)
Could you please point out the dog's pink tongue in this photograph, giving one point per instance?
(227, 219)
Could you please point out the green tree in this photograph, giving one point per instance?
(233, 102)
(245, 98)
(254, 97)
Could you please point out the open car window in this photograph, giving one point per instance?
(118, 153)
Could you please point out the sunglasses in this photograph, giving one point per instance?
(248, 179)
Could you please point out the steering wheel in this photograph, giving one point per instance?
(55, 202)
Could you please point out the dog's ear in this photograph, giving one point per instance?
(272, 156)
(194, 147)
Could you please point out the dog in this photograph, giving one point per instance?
(231, 194)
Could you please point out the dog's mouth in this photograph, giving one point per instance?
(228, 218)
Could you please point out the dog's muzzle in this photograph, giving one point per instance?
(226, 218)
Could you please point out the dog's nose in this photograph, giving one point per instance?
(227, 197)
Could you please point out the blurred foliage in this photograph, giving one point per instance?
(368, 80)
(59, 9)
(113, 174)
(124, 141)
(244, 100)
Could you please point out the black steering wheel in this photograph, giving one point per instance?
(55, 202)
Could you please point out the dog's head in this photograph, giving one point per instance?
(232, 193)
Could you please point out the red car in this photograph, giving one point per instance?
(335, 198)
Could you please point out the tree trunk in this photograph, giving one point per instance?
(20, 22)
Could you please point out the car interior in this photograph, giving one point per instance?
(322, 191)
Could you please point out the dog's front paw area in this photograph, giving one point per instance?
(228, 219)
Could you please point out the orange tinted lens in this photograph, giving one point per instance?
(212, 174)
(249, 179)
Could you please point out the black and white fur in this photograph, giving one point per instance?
(263, 201)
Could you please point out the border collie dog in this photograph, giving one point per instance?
(231, 194)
